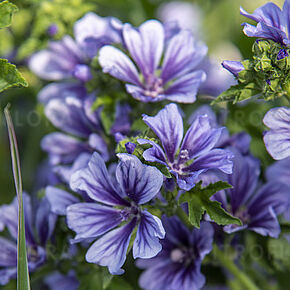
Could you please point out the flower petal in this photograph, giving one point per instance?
(7, 274)
(61, 90)
(246, 171)
(45, 221)
(114, 62)
(8, 253)
(140, 182)
(110, 250)
(94, 180)
(168, 126)
(153, 154)
(150, 230)
(264, 31)
(90, 220)
(185, 88)
(59, 199)
(145, 45)
(68, 115)
(278, 118)
(62, 148)
(277, 143)
(215, 159)
(181, 56)
(269, 13)
(200, 137)
(93, 31)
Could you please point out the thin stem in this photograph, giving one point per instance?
(247, 283)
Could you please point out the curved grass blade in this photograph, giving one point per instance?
(23, 282)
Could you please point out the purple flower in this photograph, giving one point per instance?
(117, 211)
(174, 78)
(177, 266)
(80, 125)
(69, 58)
(61, 90)
(61, 60)
(279, 171)
(37, 234)
(93, 31)
(57, 281)
(195, 155)
(257, 208)
(277, 140)
(233, 67)
(273, 23)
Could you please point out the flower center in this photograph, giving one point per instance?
(185, 256)
(32, 254)
(130, 212)
(181, 162)
(153, 87)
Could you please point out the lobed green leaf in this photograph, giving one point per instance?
(10, 76)
(199, 202)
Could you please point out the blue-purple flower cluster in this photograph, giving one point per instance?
(118, 190)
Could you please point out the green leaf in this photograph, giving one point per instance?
(199, 202)
(23, 282)
(10, 76)
(238, 93)
(6, 11)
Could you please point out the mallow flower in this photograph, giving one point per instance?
(277, 140)
(256, 206)
(177, 266)
(81, 132)
(117, 210)
(69, 58)
(186, 159)
(39, 227)
(272, 22)
(160, 68)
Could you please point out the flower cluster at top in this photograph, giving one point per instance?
(132, 166)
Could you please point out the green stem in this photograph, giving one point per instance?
(230, 265)
(183, 217)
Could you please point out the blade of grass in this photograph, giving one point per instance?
(23, 282)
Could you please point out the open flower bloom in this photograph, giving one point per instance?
(277, 140)
(81, 127)
(62, 60)
(195, 155)
(273, 23)
(177, 266)
(166, 69)
(257, 207)
(69, 58)
(36, 236)
(116, 212)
